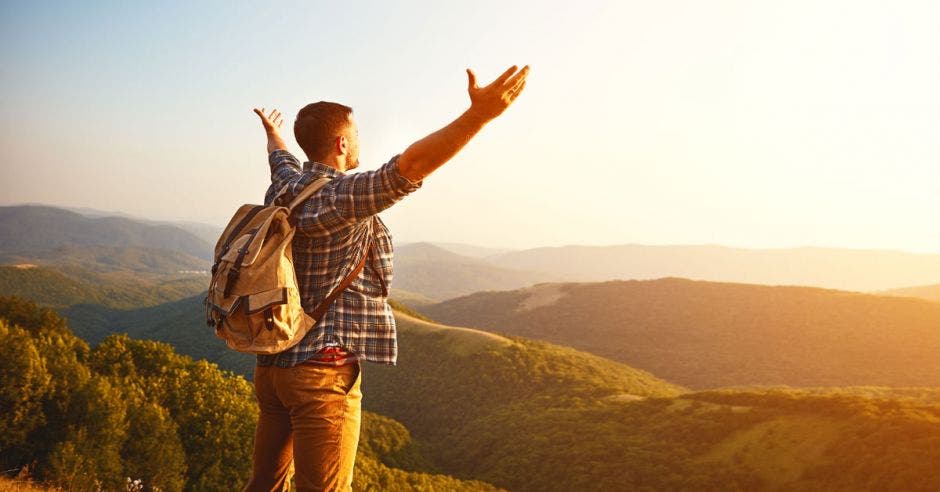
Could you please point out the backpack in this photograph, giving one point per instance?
(253, 302)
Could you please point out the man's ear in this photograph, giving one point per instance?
(341, 145)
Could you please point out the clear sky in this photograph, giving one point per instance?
(751, 123)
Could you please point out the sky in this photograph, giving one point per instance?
(757, 124)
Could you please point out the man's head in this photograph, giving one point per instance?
(327, 133)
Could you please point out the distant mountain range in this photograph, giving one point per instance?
(31, 229)
(207, 232)
(52, 236)
(710, 334)
(835, 268)
(60, 258)
(438, 273)
(929, 292)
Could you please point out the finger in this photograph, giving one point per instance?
(471, 80)
(502, 78)
(271, 116)
(521, 75)
(258, 112)
(514, 94)
(513, 83)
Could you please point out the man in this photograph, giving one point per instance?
(309, 395)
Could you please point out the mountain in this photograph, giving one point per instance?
(437, 273)
(472, 250)
(207, 232)
(712, 334)
(848, 269)
(28, 229)
(929, 292)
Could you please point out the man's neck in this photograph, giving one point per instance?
(334, 161)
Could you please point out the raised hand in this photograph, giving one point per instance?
(272, 122)
(272, 127)
(490, 101)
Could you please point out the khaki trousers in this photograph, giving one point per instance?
(309, 414)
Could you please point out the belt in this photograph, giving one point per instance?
(332, 353)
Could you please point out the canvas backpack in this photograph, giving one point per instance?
(253, 301)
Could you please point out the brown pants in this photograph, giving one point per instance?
(311, 415)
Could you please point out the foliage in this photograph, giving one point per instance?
(135, 410)
(64, 286)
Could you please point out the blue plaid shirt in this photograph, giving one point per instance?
(334, 227)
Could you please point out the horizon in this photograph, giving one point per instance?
(742, 124)
(407, 241)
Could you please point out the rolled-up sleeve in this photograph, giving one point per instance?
(362, 195)
(344, 201)
(285, 170)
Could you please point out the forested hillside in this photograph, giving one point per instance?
(516, 413)
(712, 334)
(86, 419)
(61, 287)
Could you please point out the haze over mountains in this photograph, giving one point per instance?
(30, 229)
(52, 236)
(929, 292)
(835, 268)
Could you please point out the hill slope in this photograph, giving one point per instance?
(709, 334)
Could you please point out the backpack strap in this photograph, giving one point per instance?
(321, 308)
(304, 194)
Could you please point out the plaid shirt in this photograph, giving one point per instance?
(334, 226)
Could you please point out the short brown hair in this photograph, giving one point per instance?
(317, 125)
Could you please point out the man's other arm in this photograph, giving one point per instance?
(285, 168)
(486, 103)
(272, 124)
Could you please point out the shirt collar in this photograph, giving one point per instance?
(321, 168)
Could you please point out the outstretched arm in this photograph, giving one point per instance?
(486, 103)
(272, 124)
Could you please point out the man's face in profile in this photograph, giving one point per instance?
(352, 136)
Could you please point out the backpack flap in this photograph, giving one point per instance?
(243, 251)
(263, 300)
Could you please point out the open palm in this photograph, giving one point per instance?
(491, 100)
